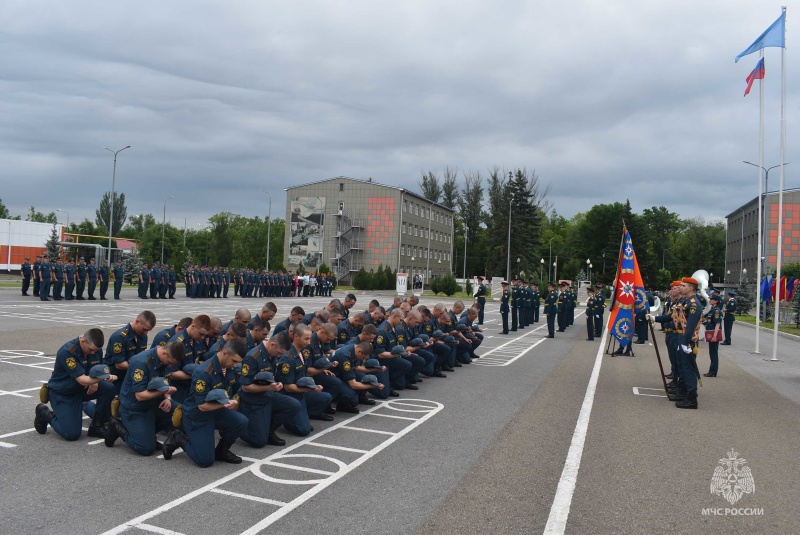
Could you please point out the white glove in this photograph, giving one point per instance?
(686, 349)
(649, 318)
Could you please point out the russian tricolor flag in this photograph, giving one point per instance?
(757, 74)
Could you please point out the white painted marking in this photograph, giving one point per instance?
(301, 468)
(392, 416)
(7, 445)
(351, 428)
(637, 388)
(93, 442)
(331, 446)
(156, 529)
(559, 511)
(248, 497)
(17, 432)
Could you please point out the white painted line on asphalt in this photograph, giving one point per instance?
(156, 529)
(637, 388)
(17, 432)
(351, 428)
(300, 468)
(248, 497)
(391, 416)
(94, 442)
(559, 511)
(331, 446)
(7, 445)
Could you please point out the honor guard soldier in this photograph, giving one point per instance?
(209, 408)
(226, 283)
(480, 298)
(126, 342)
(265, 410)
(119, 276)
(514, 305)
(172, 282)
(104, 274)
(44, 280)
(600, 306)
(69, 280)
(730, 316)
(78, 377)
(155, 279)
(563, 300)
(712, 322)
(504, 306)
(80, 279)
(536, 302)
(687, 351)
(36, 266)
(91, 278)
(144, 281)
(163, 287)
(26, 271)
(590, 312)
(58, 279)
(551, 308)
(145, 400)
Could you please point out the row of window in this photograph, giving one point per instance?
(425, 211)
(425, 232)
(420, 252)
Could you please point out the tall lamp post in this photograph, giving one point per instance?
(589, 275)
(518, 267)
(269, 223)
(113, 183)
(163, 226)
(550, 258)
(541, 269)
(508, 246)
(60, 210)
(413, 283)
(465, 251)
(555, 270)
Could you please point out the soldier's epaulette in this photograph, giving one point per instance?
(210, 368)
(180, 337)
(124, 333)
(149, 360)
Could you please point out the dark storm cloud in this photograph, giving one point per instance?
(605, 100)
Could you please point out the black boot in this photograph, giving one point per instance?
(346, 406)
(114, 430)
(689, 403)
(273, 439)
(43, 417)
(224, 453)
(676, 396)
(97, 428)
(175, 439)
(364, 400)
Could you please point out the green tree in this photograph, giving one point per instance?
(131, 264)
(103, 212)
(4, 214)
(445, 284)
(450, 188)
(470, 205)
(429, 186)
(746, 296)
(39, 217)
(53, 249)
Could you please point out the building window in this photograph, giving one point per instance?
(402, 250)
(425, 253)
(404, 206)
(416, 209)
(428, 212)
(404, 228)
(341, 186)
(416, 230)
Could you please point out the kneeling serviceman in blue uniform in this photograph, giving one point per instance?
(78, 377)
(146, 404)
(208, 407)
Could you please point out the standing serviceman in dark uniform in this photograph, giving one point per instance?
(600, 306)
(119, 275)
(712, 322)
(69, 274)
(26, 276)
(155, 280)
(44, 280)
(730, 316)
(144, 281)
(36, 266)
(480, 298)
(551, 309)
(590, 312)
(105, 277)
(226, 283)
(81, 279)
(91, 274)
(514, 305)
(504, 306)
(536, 302)
(687, 351)
(75, 381)
(58, 279)
(563, 299)
(173, 282)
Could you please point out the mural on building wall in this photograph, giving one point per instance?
(791, 231)
(380, 226)
(306, 231)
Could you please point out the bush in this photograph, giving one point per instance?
(469, 289)
(445, 284)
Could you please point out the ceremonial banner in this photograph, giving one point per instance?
(628, 295)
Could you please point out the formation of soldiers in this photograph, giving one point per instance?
(523, 301)
(161, 281)
(245, 378)
(255, 283)
(64, 280)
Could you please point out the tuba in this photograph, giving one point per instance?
(702, 277)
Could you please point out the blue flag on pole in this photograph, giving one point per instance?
(775, 35)
(766, 292)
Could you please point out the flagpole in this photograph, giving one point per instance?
(760, 200)
(777, 319)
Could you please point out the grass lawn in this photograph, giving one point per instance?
(791, 329)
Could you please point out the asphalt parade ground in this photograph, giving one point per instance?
(538, 436)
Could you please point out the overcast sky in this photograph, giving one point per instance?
(605, 99)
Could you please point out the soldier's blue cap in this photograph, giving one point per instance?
(715, 297)
(461, 327)
(399, 350)
(306, 382)
(160, 384)
(731, 292)
(449, 340)
(438, 333)
(372, 363)
(417, 342)
(219, 395)
(190, 368)
(264, 378)
(323, 363)
(100, 371)
(476, 328)
(424, 337)
(370, 380)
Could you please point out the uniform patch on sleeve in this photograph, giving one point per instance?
(379, 340)
(163, 343)
(200, 386)
(285, 369)
(401, 338)
(346, 366)
(306, 353)
(343, 336)
(72, 363)
(693, 309)
(138, 375)
(245, 369)
(117, 348)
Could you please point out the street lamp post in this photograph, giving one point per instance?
(517, 267)
(60, 210)
(589, 275)
(541, 268)
(113, 183)
(465, 251)
(163, 226)
(413, 282)
(269, 223)
(555, 270)
(550, 258)
(508, 245)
